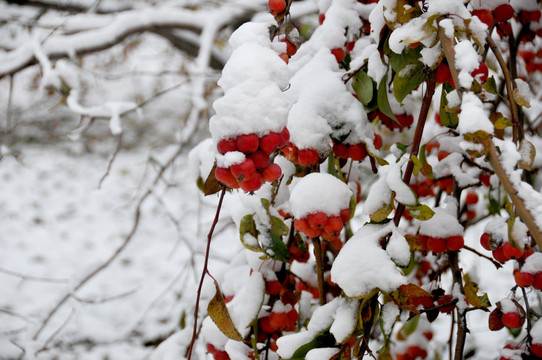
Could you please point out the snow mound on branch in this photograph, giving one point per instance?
(473, 117)
(363, 266)
(441, 225)
(323, 103)
(252, 79)
(466, 60)
(319, 192)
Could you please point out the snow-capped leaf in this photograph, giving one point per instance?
(520, 99)
(320, 341)
(218, 311)
(363, 86)
(382, 213)
(447, 118)
(421, 212)
(408, 78)
(471, 293)
(528, 153)
(248, 226)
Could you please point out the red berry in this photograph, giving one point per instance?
(523, 279)
(512, 320)
(536, 350)
(226, 145)
(470, 214)
(340, 150)
(511, 252)
(357, 152)
(345, 215)
(339, 54)
(221, 355)
(442, 155)
(503, 13)
(428, 335)
(252, 184)
(278, 321)
(423, 239)
(321, 18)
(482, 72)
(260, 159)
(247, 143)
(455, 243)
(265, 326)
(436, 245)
(485, 241)
(484, 179)
(334, 225)
(292, 317)
(317, 220)
(504, 29)
(485, 16)
(272, 287)
(270, 142)
(537, 282)
(444, 74)
(471, 198)
(499, 255)
(272, 172)
(377, 141)
(291, 49)
(225, 176)
(405, 120)
(301, 224)
(276, 6)
(350, 46)
(308, 157)
(415, 351)
(244, 170)
(284, 137)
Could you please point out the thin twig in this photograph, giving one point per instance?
(416, 142)
(32, 278)
(319, 269)
(497, 264)
(111, 160)
(509, 87)
(105, 299)
(522, 211)
(204, 272)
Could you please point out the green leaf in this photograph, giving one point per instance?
(278, 226)
(471, 293)
(320, 341)
(383, 101)
(502, 123)
(218, 312)
(363, 86)
(408, 56)
(447, 118)
(411, 325)
(491, 86)
(494, 206)
(279, 248)
(421, 212)
(417, 164)
(265, 203)
(408, 78)
(382, 213)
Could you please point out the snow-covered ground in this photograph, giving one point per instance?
(57, 226)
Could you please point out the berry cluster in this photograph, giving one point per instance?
(412, 352)
(403, 120)
(355, 152)
(532, 60)
(257, 166)
(439, 245)
(218, 354)
(321, 224)
(303, 157)
(508, 313)
(503, 251)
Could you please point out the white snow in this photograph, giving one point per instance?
(363, 266)
(441, 225)
(319, 192)
(473, 117)
(466, 61)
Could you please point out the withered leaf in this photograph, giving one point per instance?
(218, 312)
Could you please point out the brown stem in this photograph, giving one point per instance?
(204, 271)
(424, 111)
(522, 211)
(461, 316)
(509, 86)
(319, 269)
(497, 264)
(449, 52)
